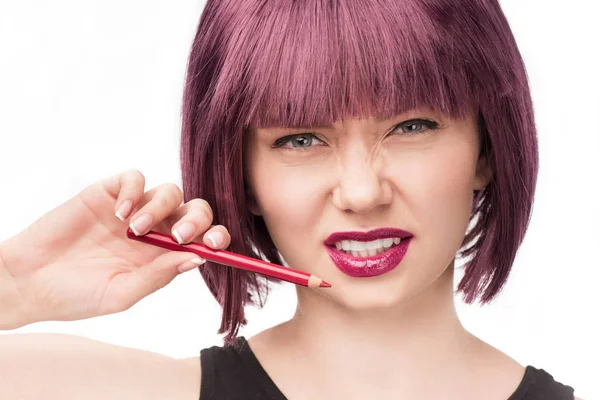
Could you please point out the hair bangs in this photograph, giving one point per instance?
(312, 63)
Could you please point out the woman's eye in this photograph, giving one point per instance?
(303, 141)
(297, 142)
(416, 126)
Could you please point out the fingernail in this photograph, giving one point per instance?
(141, 224)
(190, 264)
(184, 232)
(123, 211)
(216, 238)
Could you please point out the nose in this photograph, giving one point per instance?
(361, 186)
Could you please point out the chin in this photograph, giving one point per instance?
(363, 294)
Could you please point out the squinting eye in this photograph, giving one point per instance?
(305, 141)
(298, 142)
(416, 126)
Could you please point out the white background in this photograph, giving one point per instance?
(92, 88)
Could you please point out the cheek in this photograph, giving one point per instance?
(438, 190)
(290, 197)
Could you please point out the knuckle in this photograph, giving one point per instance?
(175, 189)
(175, 192)
(199, 203)
(135, 174)
(163, 201)
(169, 194)
(207, 211)
(203, 208)
(206, 216)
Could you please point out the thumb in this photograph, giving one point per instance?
(129, 288)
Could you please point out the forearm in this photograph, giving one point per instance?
(12, 310)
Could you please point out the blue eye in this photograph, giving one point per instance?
(298, 142)
(415, 126)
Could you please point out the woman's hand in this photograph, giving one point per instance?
(76, 261)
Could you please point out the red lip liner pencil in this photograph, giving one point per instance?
(231, 259)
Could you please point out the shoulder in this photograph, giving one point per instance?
(193, 368)
(193, 365)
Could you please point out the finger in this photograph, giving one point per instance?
(127, 289)
(193, 219)
(146, 198)
(217, 237)
(128, 188)
(166, 198)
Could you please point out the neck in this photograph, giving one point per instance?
(423, 336)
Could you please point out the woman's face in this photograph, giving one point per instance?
(416, 172)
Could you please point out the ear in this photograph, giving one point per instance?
(483, 174)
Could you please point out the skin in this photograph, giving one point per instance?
(361, 175)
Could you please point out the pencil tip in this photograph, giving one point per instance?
(314, 281)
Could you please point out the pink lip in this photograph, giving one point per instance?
(361, 267)
(372, 265)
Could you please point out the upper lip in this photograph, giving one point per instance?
(368, 236)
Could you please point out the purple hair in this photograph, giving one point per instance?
(257, 63)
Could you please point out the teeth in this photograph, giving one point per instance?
(389, 242)
(375, 244)
(357, 246)
(364, 249)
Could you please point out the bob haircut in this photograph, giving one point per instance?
(257, 64)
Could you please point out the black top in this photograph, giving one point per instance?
(234, 373)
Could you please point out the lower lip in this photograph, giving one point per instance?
(361, 267)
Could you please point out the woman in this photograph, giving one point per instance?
(324, 134)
